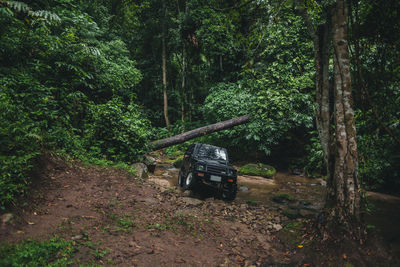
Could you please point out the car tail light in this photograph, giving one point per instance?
(200, 174)
(230, 180)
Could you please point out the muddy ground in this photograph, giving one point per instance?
(150, 222)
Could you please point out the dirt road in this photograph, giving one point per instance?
(149, 222)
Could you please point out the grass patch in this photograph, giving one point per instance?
(282, 198)
(54, 252)
(108, 163)
(258, 170)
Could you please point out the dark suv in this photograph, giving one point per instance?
(208, 166)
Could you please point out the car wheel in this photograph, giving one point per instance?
(180, 179)
(229, 193)
(189, 181)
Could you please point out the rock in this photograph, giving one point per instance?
(258, 170)
(77, 237)
(141, 170)
(282, 198)
(277, 227)
(150, 200)
(160, 182)
(150, 163)
(187, 193)
(8, 218)
(243, 189)
(291, 213)
(192, 201)
(323, 183)
(307, 213)
(297, 171)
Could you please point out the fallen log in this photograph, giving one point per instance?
(181, 138)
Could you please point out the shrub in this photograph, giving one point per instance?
(19, 146)
(258, 170)
(55, 252)
(117, 132)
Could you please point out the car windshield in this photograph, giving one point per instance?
(212, 152)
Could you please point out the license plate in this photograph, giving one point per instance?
(215, 178)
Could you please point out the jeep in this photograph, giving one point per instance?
(208, 166)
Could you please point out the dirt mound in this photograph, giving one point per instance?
(132, 220)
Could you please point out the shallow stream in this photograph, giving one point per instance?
(384, 213)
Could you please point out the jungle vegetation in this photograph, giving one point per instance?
(98, 80)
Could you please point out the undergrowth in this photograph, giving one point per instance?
(53, 252)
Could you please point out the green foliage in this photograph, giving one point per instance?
(54, 252)
(19, 144)
(258, 170)
(60, 78)
(117, 132)
(379, 163)
(277, 94)
(314, 160)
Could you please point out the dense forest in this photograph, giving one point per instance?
(98, 80)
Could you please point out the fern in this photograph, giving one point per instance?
(22, 7)
(18, 6)
(44, 14)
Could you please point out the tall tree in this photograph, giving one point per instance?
(164, 67)
(335, 119)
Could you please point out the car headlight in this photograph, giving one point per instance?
(231, 172)
(201, 167)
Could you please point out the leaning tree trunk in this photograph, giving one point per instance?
(343, 196)
(181, 138)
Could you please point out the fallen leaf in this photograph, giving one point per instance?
(31, 223)
(300, 246)
(344, 256)
(239, 259)
(20, 232)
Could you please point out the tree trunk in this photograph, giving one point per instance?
(183, 85)
(343, 195)
(321, 39)
(164, 70)
(334, 108)
(181, 138)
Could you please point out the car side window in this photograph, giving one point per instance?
(189, 151)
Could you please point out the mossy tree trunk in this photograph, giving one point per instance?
(335, 122)
(181, 138)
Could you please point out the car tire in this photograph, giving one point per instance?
(229, 194)
(180, 179)
(189, 182)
